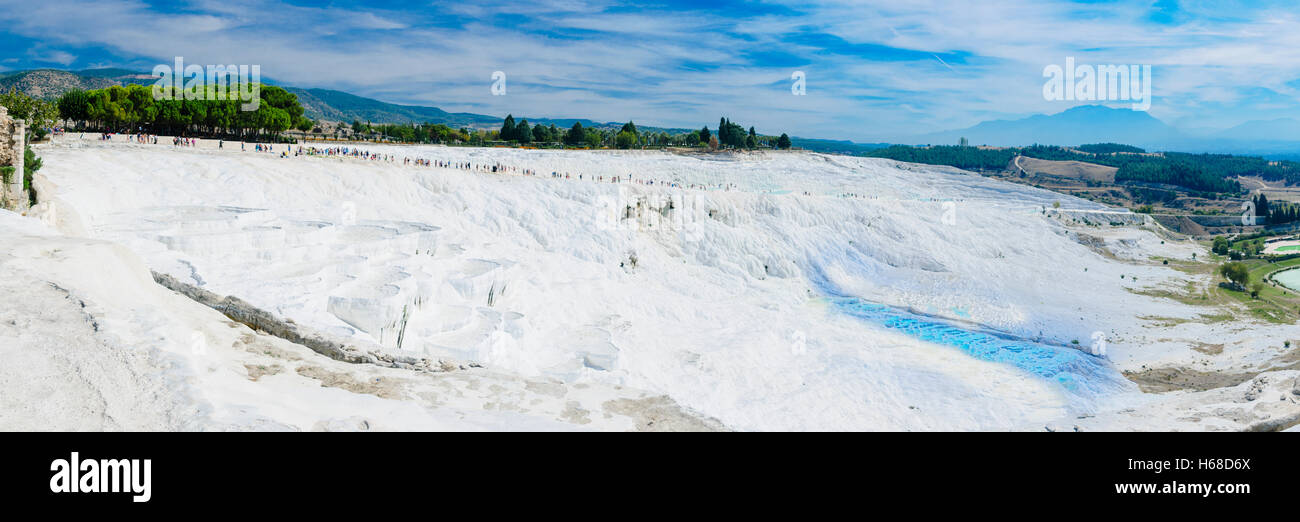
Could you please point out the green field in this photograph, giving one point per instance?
(1289, 248)
(1274, 304)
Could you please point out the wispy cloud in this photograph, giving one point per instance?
(874, 69)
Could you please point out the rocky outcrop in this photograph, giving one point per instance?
(47, 84)
(339, 349)
(12, 195)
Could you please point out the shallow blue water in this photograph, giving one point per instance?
(1076, 371)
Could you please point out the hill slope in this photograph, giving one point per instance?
(1076, 126)
(49, 83)
(326, 104)
(320, 104)
(1264, 130)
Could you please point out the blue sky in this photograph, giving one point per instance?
(875, 69)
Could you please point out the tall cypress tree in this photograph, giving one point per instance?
(575, 134)
(523, 133)
(508, 128)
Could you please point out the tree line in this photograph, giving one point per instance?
(523, 133)
(39, 114)
(969, 158)
(206, 110)
(1275, 213)
(730, 136)
(1207, 175)
(1186, 174)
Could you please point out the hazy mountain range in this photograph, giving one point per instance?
(1075, 126)
(1100, 124)
(319, 104)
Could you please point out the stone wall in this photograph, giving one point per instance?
(12, 131)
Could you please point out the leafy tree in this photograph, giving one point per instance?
(593, 138)
(625, 140)
(1220, 245)
(73, 106)
(705, 137)
(39, 114)
(523, 133)
(576, 135)
(1261, 207)
(730, 134)
(31, 164)
(133, 108)
(1236, 272)
(783, 142)
(508, 129)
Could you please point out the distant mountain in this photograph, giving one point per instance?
(118, 74)
(1281, 129)
(835, 146)
(1076, 126)
(48, 84)
(319, 104)
(341, 106)
(326, 104)
(1100, 124)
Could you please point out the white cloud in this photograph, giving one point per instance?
(582, 59)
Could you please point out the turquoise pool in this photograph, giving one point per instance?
(1078, 373)
(1289, 278)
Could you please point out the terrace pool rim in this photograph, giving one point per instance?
(1273, 277)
